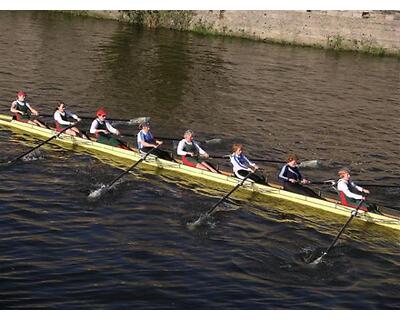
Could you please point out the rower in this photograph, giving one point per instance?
(292, 180)
(103, 130)
(242, 166)
(192, 154)
(23, 111)
(351, 194)
(61, 116)
(147, 142)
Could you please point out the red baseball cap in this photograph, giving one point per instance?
(101, 112)
(21, 93)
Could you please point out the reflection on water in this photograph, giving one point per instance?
(132, 248)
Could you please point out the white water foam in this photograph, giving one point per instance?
(98, 192)
(33, 156)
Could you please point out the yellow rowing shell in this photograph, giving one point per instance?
(111, 153)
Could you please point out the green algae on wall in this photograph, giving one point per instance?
(372, 32)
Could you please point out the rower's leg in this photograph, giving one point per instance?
(253, 176)
(162, 154)
(211, 166)
(41, 124)
(258, 178)
(84, 135)
(206, 166)
(297, 188)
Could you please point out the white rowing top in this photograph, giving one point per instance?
(96, 122)
(181, 145)
(343, 186)
(58, 117)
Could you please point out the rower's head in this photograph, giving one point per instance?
(101, 113)
(21, 95)
(292, 159)
(237, 148)
(145, 126)
(61, 106)
(188, 135)
(344, 173)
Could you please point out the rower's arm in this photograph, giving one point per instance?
(282, 173)
(147, 144)
(111, 128)
(361, 189)
(14, 109)
(199, 149)
(57, 117)
(93, 127)
(72, 115)
(180, 150)
(33, 110)
(249, 162)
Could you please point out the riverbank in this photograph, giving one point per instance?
(372, 32)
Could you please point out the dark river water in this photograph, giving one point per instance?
(132, 249)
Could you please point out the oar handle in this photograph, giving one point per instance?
(88, 118)
(330, 182)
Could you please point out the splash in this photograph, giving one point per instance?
(33, 156)
(202, 221)
(102, 190)
(96, 194)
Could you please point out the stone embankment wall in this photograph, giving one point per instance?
(376, 32)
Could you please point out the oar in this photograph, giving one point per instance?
(303, 164)
(126, 121)
(353, 214)
(208, 213)
(330, 182)
(42, 143)
(378, 185)
(211, 141)
(104, 188)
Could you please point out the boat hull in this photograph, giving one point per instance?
(113, 153)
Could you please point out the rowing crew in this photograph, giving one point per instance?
(191, 153)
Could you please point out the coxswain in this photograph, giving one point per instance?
(103, 130)
(351, 194)
(292, 180)
(23, 111)
(192, 154)
(62, 116)
(146, 142)
(243, 166)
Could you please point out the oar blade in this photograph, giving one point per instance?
(213, 141)
(130, 122)
(310, 164)
(318, 260)
(195, 224)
